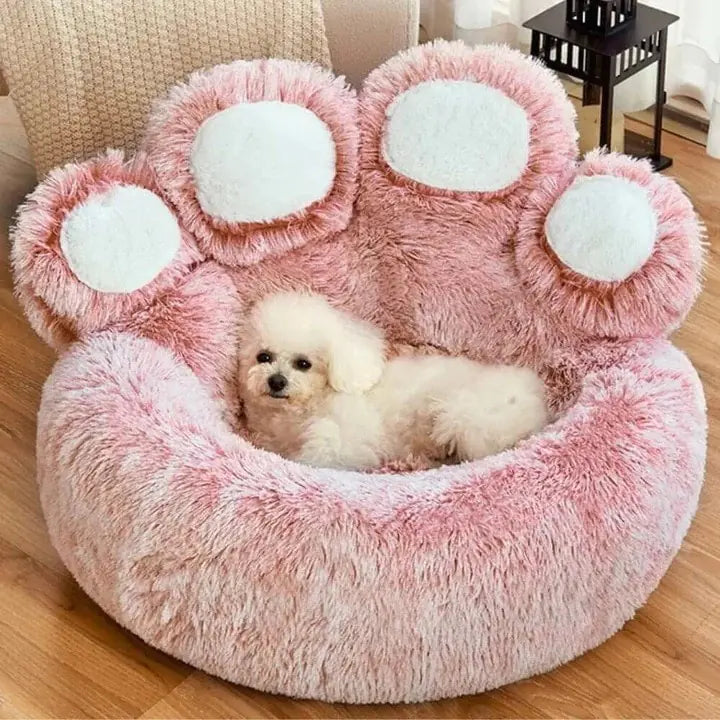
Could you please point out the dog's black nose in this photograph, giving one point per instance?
(277, 382)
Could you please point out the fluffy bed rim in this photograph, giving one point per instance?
(356, 587)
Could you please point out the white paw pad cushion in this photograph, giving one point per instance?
(603, 227)
(257, 162)
(457, 135)
(120, 240)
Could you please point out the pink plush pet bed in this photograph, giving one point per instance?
(445, 203)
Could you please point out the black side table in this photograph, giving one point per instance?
(606, 61)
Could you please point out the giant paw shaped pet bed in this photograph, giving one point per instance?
(446, 204)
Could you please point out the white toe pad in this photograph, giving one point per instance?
(256, 162)
(603, 227)
(457, 135)
(118, 241)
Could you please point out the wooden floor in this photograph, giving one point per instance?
(60, 656)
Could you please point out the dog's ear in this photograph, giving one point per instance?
(356, 357)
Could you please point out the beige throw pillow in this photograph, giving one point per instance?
(84, 73)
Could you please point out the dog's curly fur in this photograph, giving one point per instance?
(337, 401)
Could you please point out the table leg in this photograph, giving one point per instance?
(608, 96)
(660, 95)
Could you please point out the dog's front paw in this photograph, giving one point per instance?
(322, 444)
(349, 437)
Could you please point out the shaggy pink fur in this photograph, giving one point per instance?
(41, 270)
(653, 300)
(451, 252)
(176, 120)
(199, 320)
(366, 587)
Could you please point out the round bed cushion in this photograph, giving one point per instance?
(364, 587)
(350, 586)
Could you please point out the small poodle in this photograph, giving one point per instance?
(317, 388)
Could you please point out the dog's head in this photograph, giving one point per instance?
(297, 348)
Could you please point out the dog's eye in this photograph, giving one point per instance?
(302, 363)
(264, 357)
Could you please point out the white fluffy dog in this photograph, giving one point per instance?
(318, 389)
